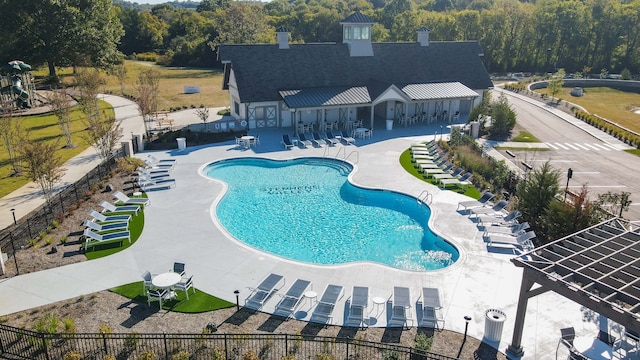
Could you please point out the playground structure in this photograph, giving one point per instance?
(17, 87)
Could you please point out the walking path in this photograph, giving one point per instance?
(180, 226)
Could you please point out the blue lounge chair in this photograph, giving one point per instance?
(330, 139)
(260, 294)
(130, 201)
(101, 218)
(286, 141)
(92, 239)
(106, 227)
(290, 301)
(346, 138)
(324, 309)
(302, 139)
(109, 208)
(317, 140)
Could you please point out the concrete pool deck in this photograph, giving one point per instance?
(179, 227)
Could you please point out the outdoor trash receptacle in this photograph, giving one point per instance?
(494, 321)
(389, 124)
(182, 143)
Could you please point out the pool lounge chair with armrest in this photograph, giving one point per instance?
(506, 230)
(155, 166)
(130, 201)
(450, 175)
(324, 309)
(153, 172)
(155, 160)
(93, 239)
(464, 180)
(494, 210)
(317, 139)
(522, 240)
(101, 218)
(426, 173)
(286, 141)
(302, 139)
(400, 307)
(110, 208)
(431, 305)
(483, 201)
(100, 228)
(432, 165)
(499, 219)
(330, 139)
(286, 307)
(260, 294)
(359, 302)
(149, 185)
(346, 138)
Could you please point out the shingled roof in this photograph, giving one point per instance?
(262, 71)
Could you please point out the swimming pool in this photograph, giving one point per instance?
(307, 210)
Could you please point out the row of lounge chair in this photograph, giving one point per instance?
(156, 175)
(428, 160)
(497, 225)
(399, 302)
(318, 139)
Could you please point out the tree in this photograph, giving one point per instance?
(535, 194)
(42, 164)
(503, 118)
(88, 82)
(613, 203)
(555, 84)
(203, 114)
(242, 24)
(61, 33)
(625, 74)
(61, 108)
(562, 219)
(120, 72)
(11, 132)
(147, 86)
(103, 133)
(481, 110)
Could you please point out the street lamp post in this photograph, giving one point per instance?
(13, 212)
(237, 292)
(467, 318)
(440, 132)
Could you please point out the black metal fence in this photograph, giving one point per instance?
(18, 343)
(18, 236)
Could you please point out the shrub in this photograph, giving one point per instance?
(72, 355)
(422, 342)
(217, 354)
(250, 355)
(183, 355)
(109, 357)
(106, 329)
(69, 325)
(147, 355)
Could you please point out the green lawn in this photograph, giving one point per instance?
(198, 302)
(45, 128)
(136, 225)
(525, 136)
(615, 105)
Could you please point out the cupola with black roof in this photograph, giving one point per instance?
(282, 37)
(356, 33)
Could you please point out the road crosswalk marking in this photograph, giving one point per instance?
(582, 146)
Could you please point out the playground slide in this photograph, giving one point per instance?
(23, 96)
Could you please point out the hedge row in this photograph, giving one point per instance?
(622, 134)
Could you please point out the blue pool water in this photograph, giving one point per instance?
(306, 210)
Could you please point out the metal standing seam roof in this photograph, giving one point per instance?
(598, 267)
(433, 91)
(326, 96)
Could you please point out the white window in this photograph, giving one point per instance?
(347, 32)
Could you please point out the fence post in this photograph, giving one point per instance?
(104, 343)
(61, 202)
(29, 228)
(15, 257)
(75, 190)
(226, 348)
(44, 345)
(348, 341)
(166, 347)
(286, 344)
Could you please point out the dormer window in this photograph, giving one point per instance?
(357, 32)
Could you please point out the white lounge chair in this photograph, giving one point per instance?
(522, 240)
(433, 165)
(346, 138)
(324, 309)
(302, 139)
(123, 225)
(483, 201)
(260, 294)
(161, 162)
(109, 207)
(98, 217)
(359, 302)
(149, 185)
(153, 173)
(464, 180)
(400, 306)
(451, 175)
(494, 210)
(330, 139)
(431, 305)
(433, 171)
(290, 301)
(506, 230)
(130, 201)
(92, 239)
(286, 141)
(499, 219)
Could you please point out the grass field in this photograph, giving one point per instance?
(612, 104)
(45, 128)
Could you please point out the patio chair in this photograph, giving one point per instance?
(286, 141)
(483, 201)
(290, 301)
(92, 239)
(110, 208)
(495, 210)
(317, 139)
(130, 201)
(101, 218)
(330, 139)
(185, 285)
(464, 181)
(346, 138)
(146, 281)
(359, 301)
(431, 305)
(260, 294)
(324, 309)
(302, 140)
(522, 240)
(122, 225)
(157, 295)
(178, 268)
(400, 306)
(632, 338)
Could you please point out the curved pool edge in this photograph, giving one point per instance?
(212, 211)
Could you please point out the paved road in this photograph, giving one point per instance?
(596, 158)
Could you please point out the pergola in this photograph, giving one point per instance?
(598, 267)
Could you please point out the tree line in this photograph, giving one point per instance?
(537, 36)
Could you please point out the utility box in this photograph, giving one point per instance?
(475, 129)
